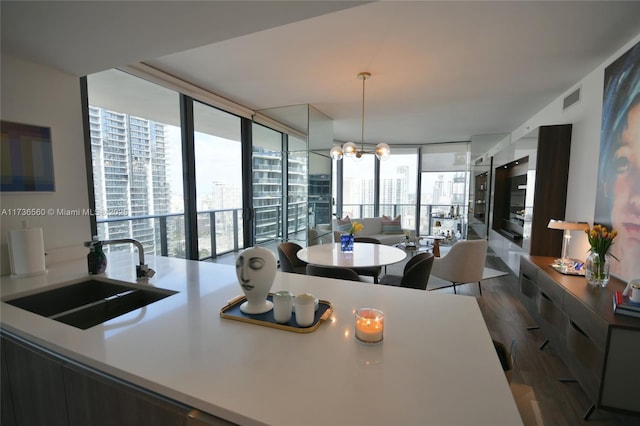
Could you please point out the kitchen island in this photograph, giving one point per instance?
(436, 365)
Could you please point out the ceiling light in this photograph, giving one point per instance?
(350, 149)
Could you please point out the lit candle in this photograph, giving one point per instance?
(369, 325)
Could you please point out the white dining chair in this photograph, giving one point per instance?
(463, 263)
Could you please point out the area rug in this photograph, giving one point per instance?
(492, 273)
(436, 283)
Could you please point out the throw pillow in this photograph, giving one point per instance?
(343, 225)
(392, 226)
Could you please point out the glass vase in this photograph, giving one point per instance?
(597, 269)
(346, 243)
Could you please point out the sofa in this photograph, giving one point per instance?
(387, 230)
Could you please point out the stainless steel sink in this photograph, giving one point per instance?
(89, 303)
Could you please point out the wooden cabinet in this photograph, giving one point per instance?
(99, 400)
(198, 418)
(43, 388)
(600, 349)
(7, 415)
(529, 189)
(550, 192)
(36, 385)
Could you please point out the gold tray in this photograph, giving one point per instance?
(232, 311)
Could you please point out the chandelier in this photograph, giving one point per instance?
(350, 149)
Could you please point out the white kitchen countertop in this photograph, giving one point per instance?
(437, 364)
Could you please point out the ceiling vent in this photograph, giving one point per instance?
(571, 99)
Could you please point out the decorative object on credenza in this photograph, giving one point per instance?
(350, 149)
(623, 305)
(567, 227)
(597, 264)
(256, 270)
(633, 290)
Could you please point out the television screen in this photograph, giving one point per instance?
(26, 158)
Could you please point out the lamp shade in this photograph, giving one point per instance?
(567, 226)
(349, 149)
(383, 151)
(336, 153)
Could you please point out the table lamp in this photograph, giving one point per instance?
(567, 227)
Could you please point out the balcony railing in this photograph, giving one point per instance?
(219, 231)
(425, 218)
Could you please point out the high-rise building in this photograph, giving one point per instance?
(267, 193)
(130, 176)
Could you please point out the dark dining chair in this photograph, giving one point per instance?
(372, 271)
(333, 272)
(289, 262)
(415, 274)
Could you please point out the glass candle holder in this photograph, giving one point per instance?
(369, 325)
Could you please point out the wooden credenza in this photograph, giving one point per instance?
(601, 349)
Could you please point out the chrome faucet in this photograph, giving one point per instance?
(142, 270)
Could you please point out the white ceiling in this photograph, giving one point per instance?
(441, 71)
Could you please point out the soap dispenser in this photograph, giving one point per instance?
(92, 260)
(101, 257)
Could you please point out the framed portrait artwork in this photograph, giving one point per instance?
(618, 189)
(27, 158)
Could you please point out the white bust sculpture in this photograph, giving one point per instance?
(256, 269)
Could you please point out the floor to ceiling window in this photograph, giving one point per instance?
(398, 186)
(136, 161)
(358, 186)
(180, 192)
(218, 163)
(297, 189)
(267, 183)
(444, 189)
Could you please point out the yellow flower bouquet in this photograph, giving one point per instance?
(355, 228)
(597, 264)
(601, 240)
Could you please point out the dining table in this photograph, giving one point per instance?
(364, 255)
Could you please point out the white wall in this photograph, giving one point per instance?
(586, 118)
(42, 96)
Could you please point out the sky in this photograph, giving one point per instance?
(217, 160)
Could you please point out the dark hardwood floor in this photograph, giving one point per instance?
(507, 320)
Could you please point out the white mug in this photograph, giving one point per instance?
(635, 292)
(282, 305)
(305, 309)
